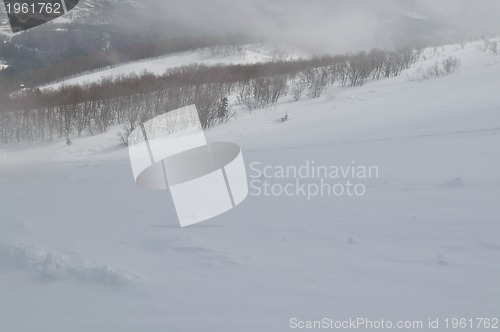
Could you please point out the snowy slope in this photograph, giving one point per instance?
(248, 55)
(83, 249)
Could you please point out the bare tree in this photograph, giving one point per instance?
(298, 86)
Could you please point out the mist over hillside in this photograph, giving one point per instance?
(319, 25)
(334, 25)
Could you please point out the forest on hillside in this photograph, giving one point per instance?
(70, 111)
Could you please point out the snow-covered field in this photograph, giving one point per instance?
(249, 54)
(83, 249)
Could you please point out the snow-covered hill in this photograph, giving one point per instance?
(247, 54)
(83, 249)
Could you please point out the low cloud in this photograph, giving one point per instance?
(332, 25)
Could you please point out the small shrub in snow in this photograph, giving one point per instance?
(488, 46)
(124, 137)
(447, 67)
(493, 47)
(450, 64)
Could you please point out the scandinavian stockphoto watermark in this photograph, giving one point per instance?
(311, 179)
(382, 324)
(171, 152)
(359, 323)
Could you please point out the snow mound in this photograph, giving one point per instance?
(454, 183)
(58, 266)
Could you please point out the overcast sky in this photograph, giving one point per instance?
(329, 26)
(336, 25)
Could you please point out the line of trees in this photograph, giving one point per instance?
(130, 100)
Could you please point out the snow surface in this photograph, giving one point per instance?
(414, 15)
(250, 54)
(83, 249)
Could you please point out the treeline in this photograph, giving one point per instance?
(131, 100)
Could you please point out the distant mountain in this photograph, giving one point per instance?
(100, 11)
(87, 12)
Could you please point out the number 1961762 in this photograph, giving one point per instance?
(34, 8)
(471, 323)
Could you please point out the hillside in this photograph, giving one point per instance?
(83, 249)
(92, 36)
(245, 54)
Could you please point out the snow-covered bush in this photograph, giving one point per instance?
(298, 87)
(450, 64)
(446, 67)
(488, 46)
(317, 80)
